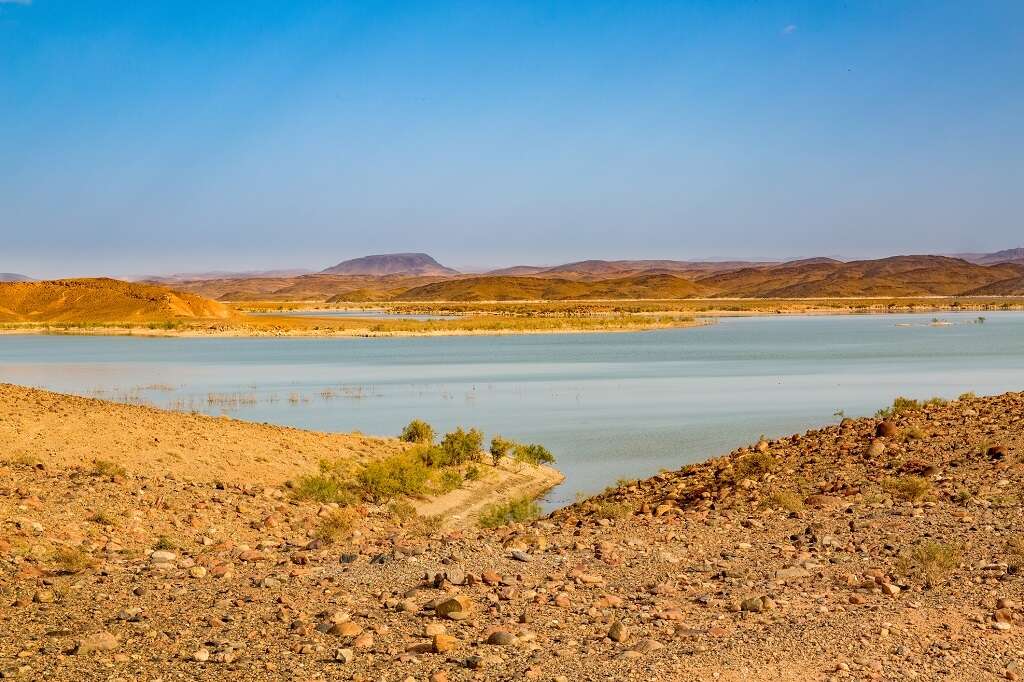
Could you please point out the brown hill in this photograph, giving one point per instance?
(101, 300)
(895, 276)
(317, 287)
(536, 288)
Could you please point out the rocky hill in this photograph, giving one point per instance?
(391, 264)
(13, 277)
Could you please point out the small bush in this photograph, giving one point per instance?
(912, 488)
(449, 480)
(335, 525)
(967, 396)
(462, 446)
(401, 511)
(783, 499)
(418, 431)
(612, 510)
(753, 465)
(404, 474)
(111, 469)
(323, 488)
(72, 560)
(500, 447)
(931, 561)
(533, 454)
(913, 433)
(473, 473)
(514, 511)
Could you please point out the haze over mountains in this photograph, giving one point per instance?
(417, 276)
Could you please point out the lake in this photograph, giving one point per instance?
(608, 405)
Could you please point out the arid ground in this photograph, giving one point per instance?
(878, 548)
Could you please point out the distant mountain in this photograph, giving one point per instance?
(504, 288)
(995, 258)
(592, 270)
(391, 264)
(223, 274)
(13, 277)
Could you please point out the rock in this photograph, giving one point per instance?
(344, 656)
(501, 638)
(197, 572)
(753, 604)
(43, 597)
(792, 573)
(490, 578)
(890, 589)
(997, 452)
(886, 429)
(100, 641)
(346, 629)
(162, 556)
(876, 449)
(618, 632)
(443, 643)
(431, 629)
(201, 655)
(460, 603)
(520, 555)
(132, 614)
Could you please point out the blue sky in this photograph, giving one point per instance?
(142, 137)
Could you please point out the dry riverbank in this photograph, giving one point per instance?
(878, 548)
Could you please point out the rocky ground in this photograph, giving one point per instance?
(874, 549)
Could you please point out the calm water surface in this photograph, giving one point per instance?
(608, 405)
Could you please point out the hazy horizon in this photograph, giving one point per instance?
(164, 138)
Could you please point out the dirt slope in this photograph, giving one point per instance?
(101, 300)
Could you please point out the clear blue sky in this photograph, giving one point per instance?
(159, 136)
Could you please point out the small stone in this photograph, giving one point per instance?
(43, 597)
(201, 655)
(618, 632)
(344, 656)
(501, 638)
(443, 643)
(162, 556)
(520, 555)
(197, 572)
(101, 641)
(458, 604)
(753, 604)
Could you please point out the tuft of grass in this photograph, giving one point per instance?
(513, 511)
(963, 497)
(165, 543)
(102, 517)
(930, 561)
(912, 488)
(472, 473)
(783, 499)
(418, 431)
(106, 468)
(72, 560)
(902, 404)
(447, 481)
(612, 510)
(970, 395)
(336, 525)
(913, 433)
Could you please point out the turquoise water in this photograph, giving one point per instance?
(608, 405)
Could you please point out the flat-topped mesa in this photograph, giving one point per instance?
(391, 264)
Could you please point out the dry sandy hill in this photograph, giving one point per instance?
(101, 300)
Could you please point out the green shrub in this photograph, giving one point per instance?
(783, 499)
(335, 525)
(752, 465)
(931, 561)
(513, 511)
(449, 480)
(500, 447)
(403, 474)
(472, 473)
(324, 488)
(533, 454)
(418, 431)
(462, 446)
(402, 511)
